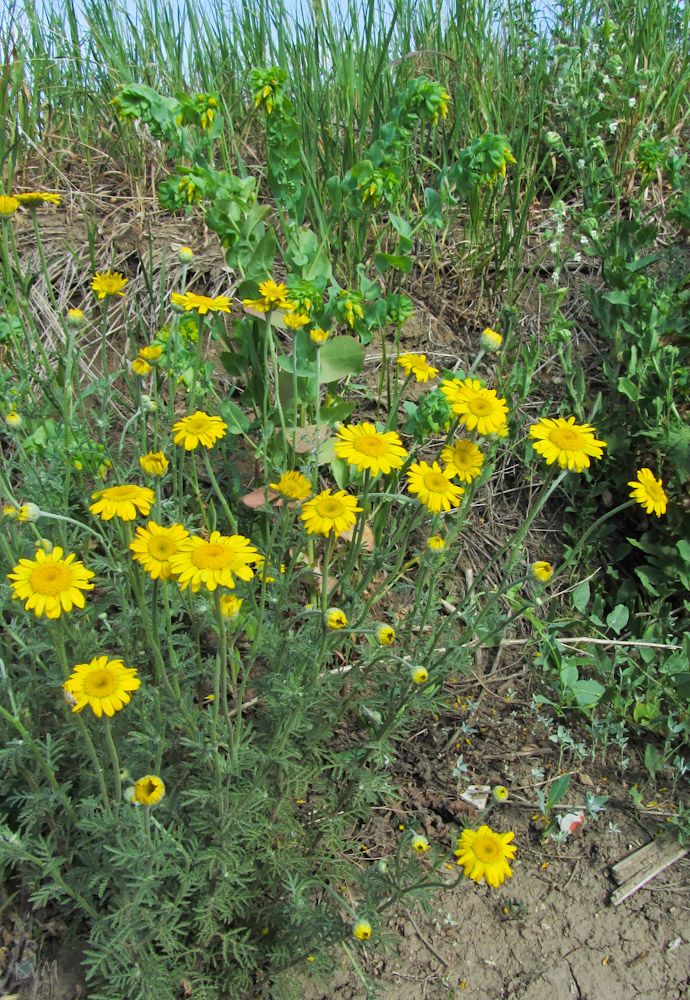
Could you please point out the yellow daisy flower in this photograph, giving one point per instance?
(33, 198)
(385, 635)
(362, 930)
(363, 446)
(214, 563)
(153, 547)
(420, 844)
(13, 420)
(648, 492)
(433, 486)
(202, 303)
(108, 283)
(50, 584)
(541, 571)
(292, 485)
(28, 513)
(122, 501)
(199, 428)
(8, 206)
(565, 442)
(500, 793)
(151, 353)
(141, 367)
(419, 675)
(476, 406)
(104, 684)
(154, 463)
(485, 854)
(149, 790)
(490, 341)
(417, 364)
(179, 301)
(336, 619)
(230, 606)
(326, 513)
(463, 459)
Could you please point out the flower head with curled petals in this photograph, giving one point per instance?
(648, 492)
(122, 501)
(292, 485)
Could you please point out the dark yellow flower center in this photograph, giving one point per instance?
(330, 507)
(436, 482)
(654, 491)
(372, 445)
(566, 438)
(212, 556)
(463, 459)
(480, 406)
(148, 788)
(100, 684)
(161, 547)
(51, 579)
(486, 849)
(121, 493)
(197, 425)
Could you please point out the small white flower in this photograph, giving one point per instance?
(584, 241)
(555, 276)
(580, 164)
(559, 228)
(612, 127)
(553, 247)
(607, 80)
(601, 96)
(595, 234)
(577, 257)
(632, 102)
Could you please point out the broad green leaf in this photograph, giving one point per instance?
(652, 760)
(558, 790)
(234, 417)
(386, 260)
(588, 693)
(618, 618)
(581, 596)
(340, 357)
(628, 388)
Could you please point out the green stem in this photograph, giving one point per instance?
(95, 762)
(219, 492)
(116, 764)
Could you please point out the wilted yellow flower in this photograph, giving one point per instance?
(230, 606)
(362, 930)
(154, 463)
(34, 198)
(149, 790)
(419, 675)
(141, 367)
(336, 619)
(292, 485)
(541, 571)
(386, 635)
